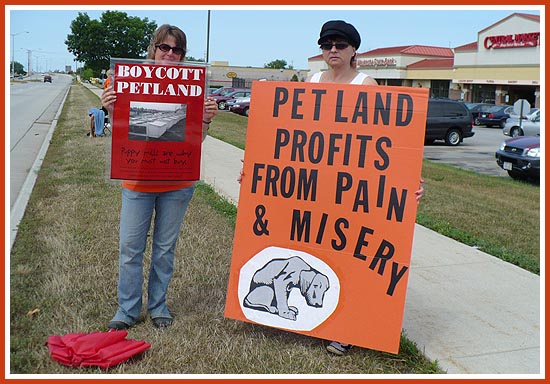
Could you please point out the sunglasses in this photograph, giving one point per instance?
(167, 48)
(339, 45)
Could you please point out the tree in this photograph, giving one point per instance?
(191, 58)
(116, 34)
(276, 64)
(86, 74)
(18, 68)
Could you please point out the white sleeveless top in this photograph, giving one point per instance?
(358, 79)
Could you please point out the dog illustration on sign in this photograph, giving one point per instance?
(271, 286)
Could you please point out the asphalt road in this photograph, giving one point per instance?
(475, 153)
(32, 108)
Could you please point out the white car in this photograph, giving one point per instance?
(528, 127)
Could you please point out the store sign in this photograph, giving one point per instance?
(231, 75)
(519, 40)
(385, 62)
(497, 81)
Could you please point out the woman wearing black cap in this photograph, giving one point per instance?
(339, 42)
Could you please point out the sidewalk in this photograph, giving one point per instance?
(472, 312)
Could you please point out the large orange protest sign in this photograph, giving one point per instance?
(326, 210)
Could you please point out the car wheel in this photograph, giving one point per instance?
(453, 137)
(516, 131)
(502, 123)
(222, 105)
(476, 121)
(246, 112)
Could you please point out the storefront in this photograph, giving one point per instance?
(502, 66)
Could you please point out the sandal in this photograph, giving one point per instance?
(162, 322)
(339, 349)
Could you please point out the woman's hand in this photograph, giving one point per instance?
(210, 109)
(108, 98)
(420, 192)
(241, 173)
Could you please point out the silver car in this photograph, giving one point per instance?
(527, 127)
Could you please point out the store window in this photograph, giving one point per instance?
(394, 82)
(440, 88)
(483, 93)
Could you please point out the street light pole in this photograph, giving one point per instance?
(13, 51)
(208, 39)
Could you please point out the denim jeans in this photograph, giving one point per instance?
(135, 221)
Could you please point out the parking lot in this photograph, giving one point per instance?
(476, 153)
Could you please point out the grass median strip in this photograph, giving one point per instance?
(64, 270)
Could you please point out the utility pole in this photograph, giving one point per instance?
(29, 52)
(13, 51)
(208, 38)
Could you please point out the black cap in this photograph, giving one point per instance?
(341, 29)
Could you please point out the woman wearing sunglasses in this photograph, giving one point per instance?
(168, 200)
(339, 42)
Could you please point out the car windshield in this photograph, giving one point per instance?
(494, 108)
(222, 91)
(225, 92)
(483, 108)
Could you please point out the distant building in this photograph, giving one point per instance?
(223, 75)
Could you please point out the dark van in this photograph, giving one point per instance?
(448, 120)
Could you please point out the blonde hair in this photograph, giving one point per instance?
(160, 35)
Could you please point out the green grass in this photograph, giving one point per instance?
(64, 270)
(498, 215)
(229, 127)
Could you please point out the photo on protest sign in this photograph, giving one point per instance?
(157, 120)
(327, 209)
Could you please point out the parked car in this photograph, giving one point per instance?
(229, 103)
(520, 157)
(224, 91)
(477, 109)
(448, 120)
(241, 106)
(531, 111)
(496, 115)
(527, 126)
(222, 100)
(47, 79)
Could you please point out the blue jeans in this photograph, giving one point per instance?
(135, 221)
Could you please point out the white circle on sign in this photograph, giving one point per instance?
(305, 279)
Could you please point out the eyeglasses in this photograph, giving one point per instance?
(339, 45)
(167, 48)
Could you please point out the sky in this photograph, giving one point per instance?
(256, 35)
